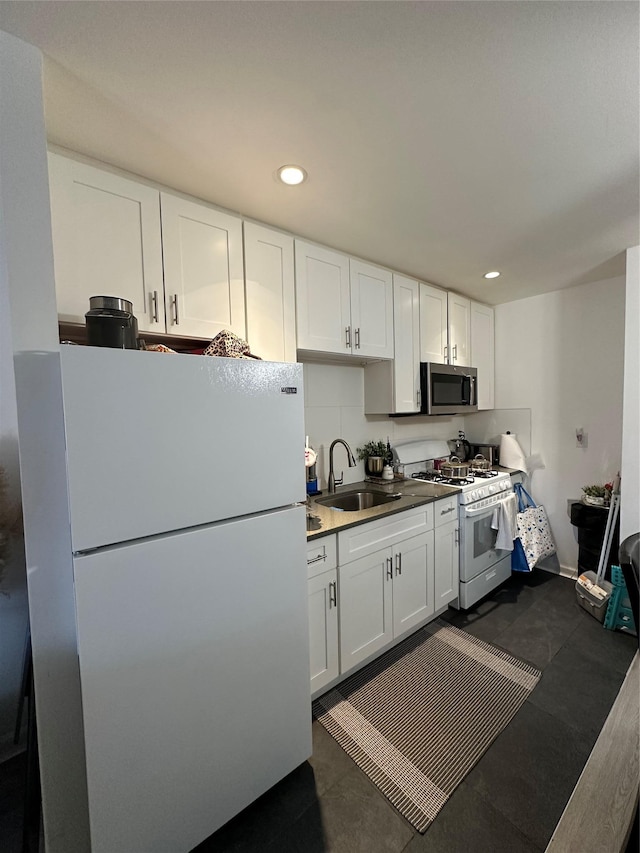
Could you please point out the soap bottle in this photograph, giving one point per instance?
(310, 464)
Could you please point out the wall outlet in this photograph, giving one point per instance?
(581, 437)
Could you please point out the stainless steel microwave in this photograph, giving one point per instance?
(446, 389)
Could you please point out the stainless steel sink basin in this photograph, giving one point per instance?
(356, 501)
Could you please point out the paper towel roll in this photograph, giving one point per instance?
(511, 454)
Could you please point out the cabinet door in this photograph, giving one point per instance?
(323, 309)
(323, 629)
(371, 310)
(406, 313)
(433, 324)
(446, 556)
(203, 275)
(270, 293)
(482, 352)
(365, 607)
(459, 313)
(412, 582)
(106, 241)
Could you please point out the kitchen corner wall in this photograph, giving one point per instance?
(561, 355)
(334, 408)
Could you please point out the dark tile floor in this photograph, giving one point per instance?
(510, 801)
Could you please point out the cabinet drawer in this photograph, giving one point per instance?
(445, 510)
(366, 538)
(321, 555)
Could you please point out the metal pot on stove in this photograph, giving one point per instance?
(479, 463)
(454, 468)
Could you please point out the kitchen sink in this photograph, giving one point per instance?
(355, 501)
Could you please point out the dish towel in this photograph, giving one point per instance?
(504, 521)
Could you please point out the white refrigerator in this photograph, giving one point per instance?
(186, 483)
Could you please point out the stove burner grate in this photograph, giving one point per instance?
(435, 477)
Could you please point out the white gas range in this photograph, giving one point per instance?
(483, 567)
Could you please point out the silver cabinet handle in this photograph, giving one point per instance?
(174, 305)
(347, 341)
(399, 563)
(454, 352)
(154, 307)
(446, 355)
(389, 568)
(445, 511)
(418, 399)
(358, 338)
(457, 538)
(333, 595)
(319, 559)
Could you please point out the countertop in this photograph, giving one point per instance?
(325, 520)
(414, 493)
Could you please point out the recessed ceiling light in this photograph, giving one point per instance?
(292, 175)
(493, 274)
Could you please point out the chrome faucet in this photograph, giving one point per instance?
(352, 462)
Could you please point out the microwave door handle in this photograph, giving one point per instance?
(472, 395)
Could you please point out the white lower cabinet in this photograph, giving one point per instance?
(383, 596)
(413, 596)
(446, 568)
(373, 583)
(323, 611)
(323, 629)
(365, 608)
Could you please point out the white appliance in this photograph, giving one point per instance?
(483, 567)
(190, 587)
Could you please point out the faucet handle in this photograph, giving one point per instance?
(339, 482)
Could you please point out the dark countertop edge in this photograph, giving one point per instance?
(334, 521)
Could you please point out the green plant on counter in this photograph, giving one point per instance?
(372, 448)
(594, 491)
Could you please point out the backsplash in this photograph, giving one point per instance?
(334, 408)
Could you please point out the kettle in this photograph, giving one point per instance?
(461, 447)
(110, 323)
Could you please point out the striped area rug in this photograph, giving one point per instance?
(417, 719)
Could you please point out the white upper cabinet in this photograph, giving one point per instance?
(394, 386)
(371, 310)
(343, 306)
(270, 293)
(482, 352)
(433, 324)
(323, 304)
(459, 313)
(203, 272)
(106, 240)
(178, 261)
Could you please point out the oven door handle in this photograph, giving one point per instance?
(469, 513)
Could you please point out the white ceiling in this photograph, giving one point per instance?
(442, 139)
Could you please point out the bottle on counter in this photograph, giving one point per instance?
(310, 458)
(388, 457)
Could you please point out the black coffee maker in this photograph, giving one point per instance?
(110, 323)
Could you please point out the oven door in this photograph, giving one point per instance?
(478, 550)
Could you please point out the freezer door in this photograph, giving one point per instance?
(160, 442)
(194, 666)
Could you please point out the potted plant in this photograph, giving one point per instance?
(594, 495)
(373, 453)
